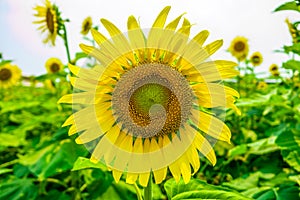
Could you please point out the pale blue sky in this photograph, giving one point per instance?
(253, 19)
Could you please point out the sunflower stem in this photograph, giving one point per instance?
(138, 192)
(65, 38)
(148, 189)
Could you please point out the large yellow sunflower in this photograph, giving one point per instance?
(50, 20)
(239, 48)
(86, 25)
(54, 65)
(9, 75)
(256, 58)
(149, 105)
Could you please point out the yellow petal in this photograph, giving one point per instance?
(213, 47)
(160, 175)
(120, 40)
(203, 146)
(144, 179)
(173, 24)
(131, 178)
(117, 175)
(185, 169)
(175, 170)
(201, 37)
(161, 18)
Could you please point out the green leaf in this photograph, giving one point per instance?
(120, 191)
(5, 62)
(84, 163)
(80, 55)
(53, 159)
(18, 189)
(5, 170)
(295, 48)
(263, 146)
(288, 140)
(10, 140)
(197, 189)
(292, 64)
(292, 158)
(238, 150)
(287, 6)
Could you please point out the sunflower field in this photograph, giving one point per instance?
(148, 115)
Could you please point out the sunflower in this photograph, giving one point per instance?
(274, 70)
(149, 104)
(293, 31)
(262, 85)
(50, 21)
(86, 26)
(54, 65)
(256, 58)
(9, 75)
(239, 48)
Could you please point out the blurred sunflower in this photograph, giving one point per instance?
(256, 58)
(86, 26)
(54, 65)
(293, 31)
(50, 21)
(239, 48)
(262, 85)
(149, 103)
(274, 70)
(9, 75)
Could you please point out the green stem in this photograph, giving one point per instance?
(9, 163)
(148, 189)
(138, 192)
(65, 37)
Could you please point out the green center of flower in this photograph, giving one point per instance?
(152, 100)
(54, 67)
(148, 95)
(239, 46)
(50, 20)
(5, 74)
(255, 59)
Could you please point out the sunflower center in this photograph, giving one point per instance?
(54, 67)
(87, 26)
(50, 20)
(5, 74)
(152, 100)
(239, 46)
(255, 59)
(274, 68)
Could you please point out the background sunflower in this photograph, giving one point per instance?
(9, 75)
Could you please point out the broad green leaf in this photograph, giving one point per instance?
(292, 158)
(10, 140)
(263, 146)
(292, 64)
(84, 163)
(197, 189)
(288, 140)
(287, 6)
(255, 191)
(238, 150)
(18, 189)
(53, 159)
(295, 48)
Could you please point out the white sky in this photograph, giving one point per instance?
(225, 19)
